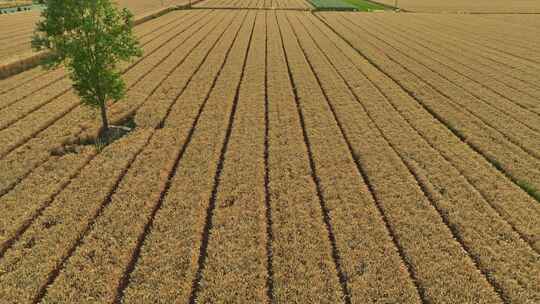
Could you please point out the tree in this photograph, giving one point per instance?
(90, 38)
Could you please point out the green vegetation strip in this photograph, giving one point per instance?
(333, 5)
(348, 5)
(367, 6)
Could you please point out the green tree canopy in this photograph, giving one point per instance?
(90, 38)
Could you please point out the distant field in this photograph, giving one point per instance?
(253, 4)
(16, 28)
(478, 6)
(283, 156)
(6, 4)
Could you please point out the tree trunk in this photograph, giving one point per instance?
(104, 119)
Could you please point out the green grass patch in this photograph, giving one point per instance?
(530, 189)
(367, 6)
(333, 5)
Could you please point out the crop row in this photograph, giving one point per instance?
(25, 164)
(20, 190)
(527, 21)
(26, 83)
(45, 243)
(133, 204)
(23, 84)
(482, 83)
(482, 174)
(348, 115)
(490, 34)
(16, 81)
(140, 7)
(146, 34)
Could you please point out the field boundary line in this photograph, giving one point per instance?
(310, 5)
(460, 12)
(203, 250)
(324, 209)
(226, 8)
(18, 65)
